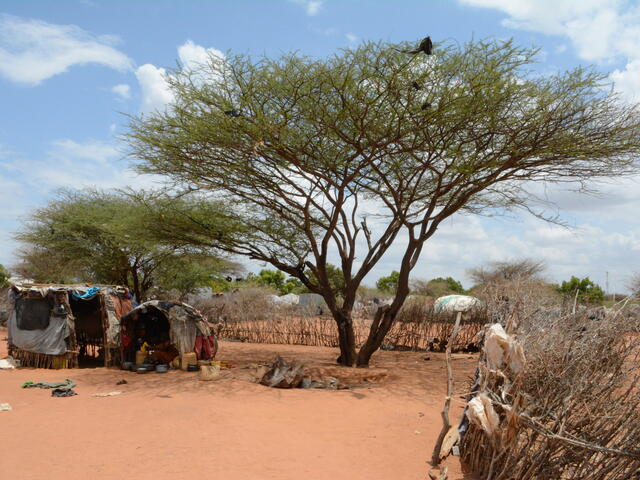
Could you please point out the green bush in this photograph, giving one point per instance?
(587, 290)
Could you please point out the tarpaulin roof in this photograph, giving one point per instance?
(80, 288)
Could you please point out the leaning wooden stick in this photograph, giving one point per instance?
(446, 424)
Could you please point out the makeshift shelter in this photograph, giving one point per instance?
(66, 326)
(159, 322)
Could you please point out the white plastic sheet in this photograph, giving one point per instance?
(289, 299)
(482, 413)
(456, 303)
(501, 350)
(7, 364)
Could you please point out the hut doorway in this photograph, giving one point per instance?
(145, 332)
(89, 315)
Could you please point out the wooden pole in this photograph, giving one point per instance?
(446, 424)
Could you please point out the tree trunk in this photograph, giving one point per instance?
(346, 338)
(382, 323)
(383, 320)
(136, 284)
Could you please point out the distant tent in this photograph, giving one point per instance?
(456, 303)
(313, 303)
(66, 326)
(289, 299)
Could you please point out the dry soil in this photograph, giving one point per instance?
(173, 426)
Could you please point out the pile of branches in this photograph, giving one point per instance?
(571, 411)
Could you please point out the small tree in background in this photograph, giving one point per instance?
(513, 285)
(185, 274)
(277, 280)
(520, 269)
(587, 290)
(4, 277)
(104, 237)
(304, 149)
(389, 284)
(438, 287)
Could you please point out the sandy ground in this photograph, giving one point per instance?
(175, 426)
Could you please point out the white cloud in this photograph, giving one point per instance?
(351, 37)
(27, 183)
(123, 90)
(627, 81)
(464, 242)
(66, 150)
(312, 7)
(599, 30)
(71, 164)
(32, 51)
(156, 93)
(192, 55)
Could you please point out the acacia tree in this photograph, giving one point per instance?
(339, 156)
(522, 269)
(108, 238)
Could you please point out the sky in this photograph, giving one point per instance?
(72, 71)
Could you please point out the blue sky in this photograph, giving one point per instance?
(70, 70)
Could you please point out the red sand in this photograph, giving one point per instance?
(173, 426)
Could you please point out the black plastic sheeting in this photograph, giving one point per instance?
(33, 313)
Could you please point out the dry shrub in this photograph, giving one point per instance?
(520, 296)
(572, 413)
(418, 327)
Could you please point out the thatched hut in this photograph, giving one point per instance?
(66, 326)
(176, 324)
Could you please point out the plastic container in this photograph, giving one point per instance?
(187, 359)
(140, 356)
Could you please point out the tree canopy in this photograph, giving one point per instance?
(586, 289)
(278, 281)
(108, 238)
(389, 283)
(437, 287)
(505, 270)
(346, 154)
(4, 277)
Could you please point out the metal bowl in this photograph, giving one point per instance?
(162, 368)
(141, 370)
(127, 365)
